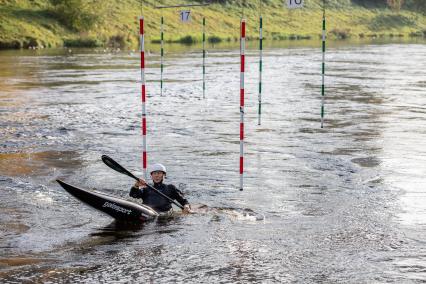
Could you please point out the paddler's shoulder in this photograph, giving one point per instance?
(172, 187)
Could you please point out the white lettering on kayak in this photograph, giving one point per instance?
(117, 208)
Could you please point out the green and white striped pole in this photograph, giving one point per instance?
(323, 65)
(260, 69)
(204, 58)
(162, 55)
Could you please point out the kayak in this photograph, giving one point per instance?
(119, 209)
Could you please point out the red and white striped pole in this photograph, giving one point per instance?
(242, 55)
(142, 50)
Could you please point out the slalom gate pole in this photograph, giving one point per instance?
(162, 56)
(242, 56)
(260, 69)
(323, 66)
(143, 95)
(204, 57)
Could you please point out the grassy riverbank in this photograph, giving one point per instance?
(25, 23)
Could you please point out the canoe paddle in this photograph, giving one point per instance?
(116, 166)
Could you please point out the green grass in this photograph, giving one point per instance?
(32, 22)
(391, 21)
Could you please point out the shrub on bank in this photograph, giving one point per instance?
(83, 42)
(215, 39)
(341, 33)
(187, 40)
(77, 15)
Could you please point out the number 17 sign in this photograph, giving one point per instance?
(185, 16)
(294, 4)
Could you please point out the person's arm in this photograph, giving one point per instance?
(137, 189)
(178, 196)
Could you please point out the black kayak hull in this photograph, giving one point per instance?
(119, 209)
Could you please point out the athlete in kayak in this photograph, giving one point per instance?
(155, 200)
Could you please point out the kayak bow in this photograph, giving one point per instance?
(117, 208)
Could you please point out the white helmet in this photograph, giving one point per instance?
(158, 167)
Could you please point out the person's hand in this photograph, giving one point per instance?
(187, 208)
(140, 183)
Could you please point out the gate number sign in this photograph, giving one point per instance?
(185, 16)
(293, 4)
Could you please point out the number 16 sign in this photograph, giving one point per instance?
(293, 4)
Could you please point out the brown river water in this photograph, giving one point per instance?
(343, 204)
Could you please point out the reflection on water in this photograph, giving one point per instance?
(339, 204)
(38, 163)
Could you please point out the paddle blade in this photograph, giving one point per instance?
(116, 166)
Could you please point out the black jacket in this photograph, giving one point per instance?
(155, 200)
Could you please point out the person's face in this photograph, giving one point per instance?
(157, 176)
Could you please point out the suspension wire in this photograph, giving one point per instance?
(141, 7)
(242, 9)
(182, 6)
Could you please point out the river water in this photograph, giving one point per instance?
(342, 204)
